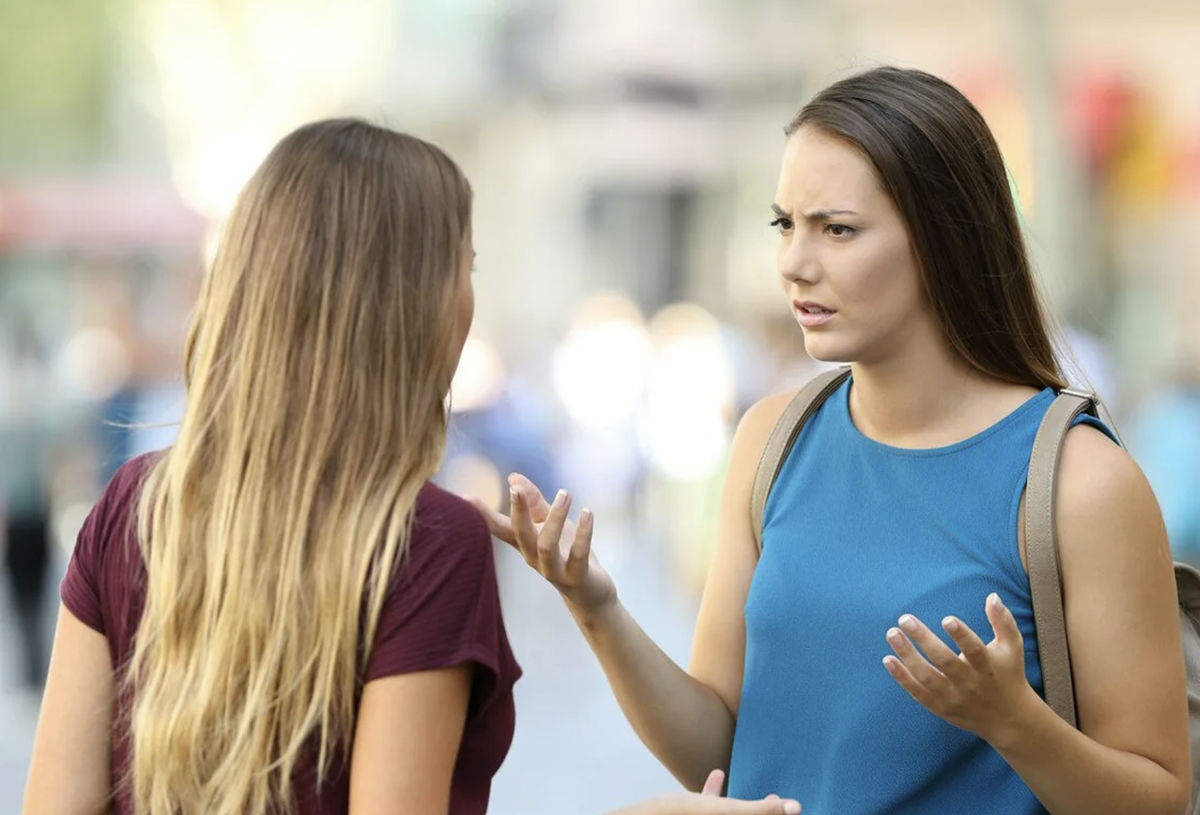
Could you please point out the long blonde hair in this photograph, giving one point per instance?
(317, 366)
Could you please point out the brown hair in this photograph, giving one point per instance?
(936, 158)
(316, 371)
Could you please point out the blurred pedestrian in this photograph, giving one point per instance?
(25, 538)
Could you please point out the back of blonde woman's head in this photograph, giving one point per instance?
(317, 366)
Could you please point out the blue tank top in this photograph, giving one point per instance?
(856, 533)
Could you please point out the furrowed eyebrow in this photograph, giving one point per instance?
(815, 215)
(826, 214)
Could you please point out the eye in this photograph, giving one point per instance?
(840, 230)
(782, 224)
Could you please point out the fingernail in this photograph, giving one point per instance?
(560, 499)
(994, 600)
(895, 637)
(791, 807)
(514, 497)
(585, 517)
(908, 622)
(950, 624)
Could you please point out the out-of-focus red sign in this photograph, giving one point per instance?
(94, 212)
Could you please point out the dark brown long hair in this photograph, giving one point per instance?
(935, 156)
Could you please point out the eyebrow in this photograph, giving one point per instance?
(815, 215)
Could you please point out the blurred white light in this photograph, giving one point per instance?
(479, 380)
(235, 77)
(599, 371)
(94, 363)
(683, 427)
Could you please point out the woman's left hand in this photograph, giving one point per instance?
(982, 689)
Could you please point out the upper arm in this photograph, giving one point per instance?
(1120, 603)
(406, 743)
(719, 646)
(74, 732)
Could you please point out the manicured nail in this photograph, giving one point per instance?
(895, 637)
(560, 499)
(994, 600)
(585, 517)
(908, 623)
(514, 497)
(950, 624)
(791, 807)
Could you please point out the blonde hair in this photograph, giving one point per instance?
(317, 367)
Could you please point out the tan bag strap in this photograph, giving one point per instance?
(803, 405)
(1041, 547)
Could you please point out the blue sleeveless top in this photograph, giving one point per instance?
(855, 534)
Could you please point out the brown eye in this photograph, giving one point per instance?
(839, 230)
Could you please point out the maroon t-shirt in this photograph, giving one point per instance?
(443, 611)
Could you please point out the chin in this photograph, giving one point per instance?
(828, 350)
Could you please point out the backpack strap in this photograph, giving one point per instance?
(783, 436)
(1041, 548)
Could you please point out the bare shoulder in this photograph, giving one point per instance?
(1104, 499)
(757, 423)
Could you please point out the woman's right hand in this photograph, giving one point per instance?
(709, 802)
(560, 551)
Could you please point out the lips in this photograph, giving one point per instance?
(809, 307)
(811, 314)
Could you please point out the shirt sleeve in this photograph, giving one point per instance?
(444, 609)
(82, 589)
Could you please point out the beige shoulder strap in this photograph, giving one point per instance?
(783, 436)
(1041, 549)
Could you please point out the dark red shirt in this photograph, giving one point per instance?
(443, 611)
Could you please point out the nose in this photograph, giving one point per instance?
(796, 260)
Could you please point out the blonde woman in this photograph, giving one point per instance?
(280, 614)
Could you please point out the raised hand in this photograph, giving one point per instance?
(982, 689)
(558, 549)
(709, 802)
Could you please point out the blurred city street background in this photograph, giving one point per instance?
(623, 156)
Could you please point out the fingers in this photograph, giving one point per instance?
(537, 504)
(715, 783)
(974, 650)
(549, 542)
(767, 806)
(904, 676)
(944, 661)
(1003, 623)
(498, 523)
(940, 654)
(581, 549)
(523, 529)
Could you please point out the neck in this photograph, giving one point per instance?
(909, 397)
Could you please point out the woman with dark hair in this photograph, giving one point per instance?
(815, 670)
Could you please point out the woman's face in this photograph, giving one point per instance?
(845, 258)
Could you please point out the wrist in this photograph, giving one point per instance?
(596, 615)
(1024, 727)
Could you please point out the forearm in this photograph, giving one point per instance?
(681, 721)
(1073, 774)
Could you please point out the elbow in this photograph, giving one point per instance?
(1178, 799)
